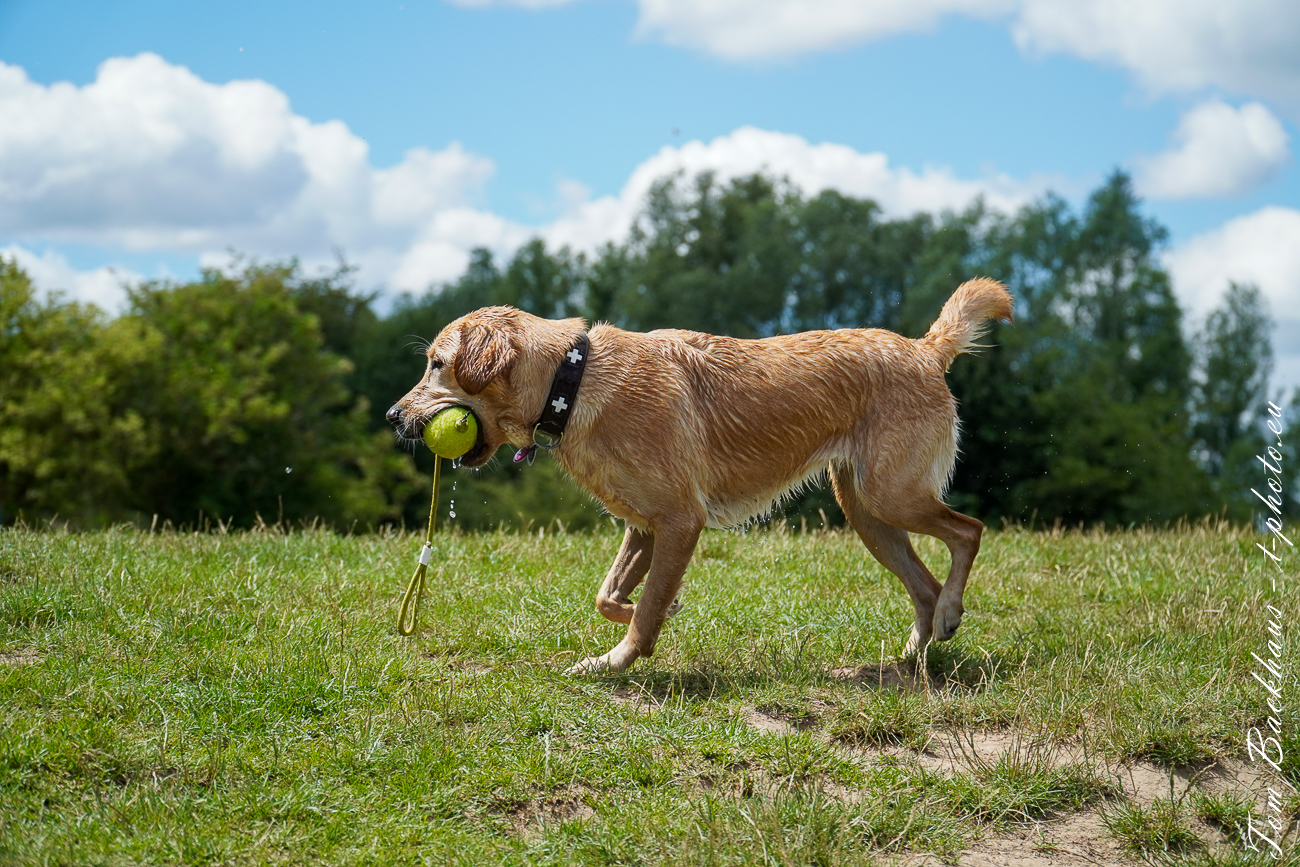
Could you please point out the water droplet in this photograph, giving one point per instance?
(288, 469)
(453, 514)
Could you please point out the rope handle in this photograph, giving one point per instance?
(408, 616)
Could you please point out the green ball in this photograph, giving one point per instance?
(452, 432)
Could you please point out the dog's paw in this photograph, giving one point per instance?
(946, 620)
(915, 642)
(613, 662)
(590, 665)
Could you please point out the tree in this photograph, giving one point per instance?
(63, 451)
(246, 411)
(1230, 394)
(1078, 412)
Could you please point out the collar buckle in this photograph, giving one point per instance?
(546, 439)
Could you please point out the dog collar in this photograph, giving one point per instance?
(558, 408)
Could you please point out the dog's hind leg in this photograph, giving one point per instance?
(625, 575)
(960, 533)
(674, 544)
(891, 546)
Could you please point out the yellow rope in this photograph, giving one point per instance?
(415, 590)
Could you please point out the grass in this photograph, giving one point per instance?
(1159, 828)
(244, 698)
(1228, 811)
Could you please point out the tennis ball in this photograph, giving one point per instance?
(452, 432)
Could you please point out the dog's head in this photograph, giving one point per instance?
(469, 365)
(497, 362)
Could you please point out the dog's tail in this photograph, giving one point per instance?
(962, 320)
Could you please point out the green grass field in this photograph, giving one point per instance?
(244, 698)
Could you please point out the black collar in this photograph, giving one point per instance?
(558, 408)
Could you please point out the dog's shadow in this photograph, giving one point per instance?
(653, 689)
(954, 671)
(943, 668)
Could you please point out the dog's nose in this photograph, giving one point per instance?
(394, 414)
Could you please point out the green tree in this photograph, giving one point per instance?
(247, 412)
(753, 258)
(63, 451)
(1235, 361)
(1079, 411)
(1230, 394)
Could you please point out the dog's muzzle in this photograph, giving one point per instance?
(407, 428)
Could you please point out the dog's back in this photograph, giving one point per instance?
(747, 422)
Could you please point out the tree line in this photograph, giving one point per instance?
(257, 392)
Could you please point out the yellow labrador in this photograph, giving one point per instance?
(675, 431)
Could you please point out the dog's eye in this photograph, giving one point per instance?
(435, 364)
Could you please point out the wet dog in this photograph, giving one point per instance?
(675, 431)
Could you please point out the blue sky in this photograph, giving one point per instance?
(548, 120)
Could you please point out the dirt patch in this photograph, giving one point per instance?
(1073, 841)
(532, 817)
(1233, 775)
(1067, 840)
(638, 698)
(1078, 838)
(1144, 782)
(774, 719)
(767, 722)
(898, 675)
(948, 754)
(22, 656)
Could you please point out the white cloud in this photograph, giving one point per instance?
(441, 252)
(1246, 46)
(747, 29)
(1219, 151)
(150, 157)
(811, 167)
(1261, 248)
(51, 272)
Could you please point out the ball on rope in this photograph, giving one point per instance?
(452, 432)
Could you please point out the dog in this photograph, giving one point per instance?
(674, 431)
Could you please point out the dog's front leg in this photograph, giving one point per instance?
(625, 575)
(673, 546)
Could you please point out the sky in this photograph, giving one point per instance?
(146, 140)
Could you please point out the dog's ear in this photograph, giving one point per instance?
(487, 350)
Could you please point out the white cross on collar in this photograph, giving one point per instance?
(574, 355)
(559, 404)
